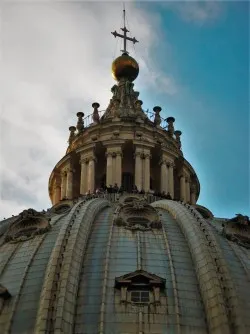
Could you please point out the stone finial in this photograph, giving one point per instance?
(114, 90)
(138, 108)
(177, 137)
(136, 94)
(96, 117)
(72, 130)
(80, 123)
(157, 120)
(170, 121)
(138, 104)
(116, 106)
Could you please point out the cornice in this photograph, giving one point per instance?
(142, 144)
(113, 142)
(169, 154)
(86, 147)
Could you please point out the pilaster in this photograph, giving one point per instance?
(118, 168)
(109, 170)
(146, 176)
(182, 188)
(91, 174)
(63, 184)
(87, 162)
(114, 162)
(170, 166)
(164, 176)
(188, 189)
(193, 194)
(84, 175)
(69, 187)
(57, 190)
(138, 170)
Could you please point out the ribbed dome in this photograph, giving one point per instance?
(79, 275)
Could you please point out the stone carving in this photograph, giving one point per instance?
(124, 102)
(114, 90)
(28, 224)
(72, 130)
(95, 116)
(137, 215)
(157, 119)
(237, 229)
(80, 123)
(115, 109)
(170, 121)
(178, 138)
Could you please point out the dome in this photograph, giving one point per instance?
(125, 67)
(100, 269)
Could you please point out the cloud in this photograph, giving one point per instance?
(55, 60)
(199, 12)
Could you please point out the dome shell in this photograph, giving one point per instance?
(69, 268)
(125, 67)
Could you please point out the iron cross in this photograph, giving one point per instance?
(124, 36)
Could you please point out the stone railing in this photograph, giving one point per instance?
(88, 120)
(114, 197)
(151, 116)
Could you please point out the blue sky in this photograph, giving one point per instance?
(208, 57)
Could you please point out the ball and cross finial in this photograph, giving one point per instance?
(125, 66)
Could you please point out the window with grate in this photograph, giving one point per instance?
(140, 296)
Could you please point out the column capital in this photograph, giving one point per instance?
(83, 160)
(92, 158)
(146, 155)
(63, 173)
(109, 154)
(137, 154)
(119, 154)
(170, 164)
(69, 170)
(163, 162)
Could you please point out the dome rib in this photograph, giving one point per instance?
(173, 276)
(206, 270)
(64, 266)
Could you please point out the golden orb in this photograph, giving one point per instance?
(125, 67)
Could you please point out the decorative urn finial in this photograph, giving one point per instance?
(177, 137)
(157, 120)
(96, 117)
(170, 121)
(80, 123)
(72, 130)
(138, 106)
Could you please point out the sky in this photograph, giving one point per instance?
(55, 60)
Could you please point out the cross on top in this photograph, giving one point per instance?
(124, 36)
